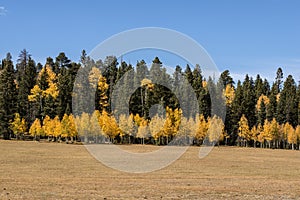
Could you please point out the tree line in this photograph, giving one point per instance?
(36, 101)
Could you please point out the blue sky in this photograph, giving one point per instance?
(242, 36)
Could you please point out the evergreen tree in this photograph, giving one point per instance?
(236, 112)
(258, 87)
(272, 107)
(8, 94)
(287, 105)
(26, 78)
(278, 80)
(248, 103)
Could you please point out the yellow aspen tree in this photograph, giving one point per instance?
(260, 136)
(138, 119)
(216, 129)
(286, 128)
(94, 75)
(281, 133)
(274, 132)
(127, 126)
(177, 114)
(103, 88)
(132, 128)
(155, 125)
(243, 130)
(95, 129)
(123, 126)
(202, 127)
(57, 128)
(83, 123)
(18, 125)
(45, 91)
(109, 125)
(291, 135)
(192, 126)
(36, 129)
(191, 129)
(73, 133)
(52, 90)
(36, 93)
(143, 131)
(185, 129)
(229, 93)
(114, 127)
(47, 127)
(65, 127)
(172, 123)
(255, 131)
(267, 136)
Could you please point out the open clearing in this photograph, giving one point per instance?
(33, 170)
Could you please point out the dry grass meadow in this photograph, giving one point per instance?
(33, 170)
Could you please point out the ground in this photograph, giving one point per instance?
(37, 170)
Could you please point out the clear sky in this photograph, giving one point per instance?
(242, 36)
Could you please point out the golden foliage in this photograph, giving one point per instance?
(36, 128)
(243, 130)
(155, 125)
(36, 93)
(229, 94)
(18, 125)
(263, 98)
(216, 129)
(202, 127)
(291, 133)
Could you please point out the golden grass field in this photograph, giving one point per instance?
(33, 170)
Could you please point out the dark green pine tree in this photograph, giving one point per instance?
(141, 72)
(110, 72)
(26, 78)
(161, 93)
(39, 67)
(71, 76)
(50, 62)
(226, 79)
(8, 96)
(123, 91)
(266, 87)
(177, 85)
(62, 64)
(237, 111)
(249, 103)
(197, 84)
(261, 114)
(188, 74)
(258, 87)
(272, 107)
(278, 80)
(197, 81)
(62, 98)
(288, 105)
(62, 61)
(186, 99)
(216, 95)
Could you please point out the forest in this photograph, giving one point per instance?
(36, 104)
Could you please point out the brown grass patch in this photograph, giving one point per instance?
(32, 170)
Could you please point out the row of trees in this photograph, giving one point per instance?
(31, 92)
(270, 134)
